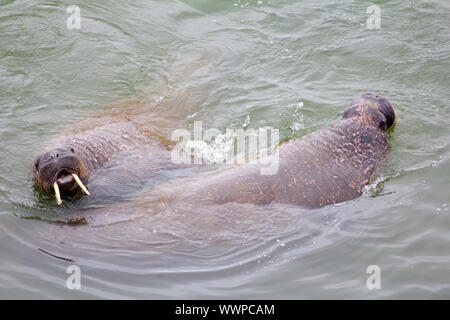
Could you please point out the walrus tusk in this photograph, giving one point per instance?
(57, 194)
(77, 179)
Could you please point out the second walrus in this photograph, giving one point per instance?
(325, 167)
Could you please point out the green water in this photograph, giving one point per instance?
(238, 61)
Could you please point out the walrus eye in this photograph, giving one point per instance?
(36, 165)
(72, 150)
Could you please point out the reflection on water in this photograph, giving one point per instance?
(228, 64)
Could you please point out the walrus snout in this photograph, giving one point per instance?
(368, 104)
(61, 167)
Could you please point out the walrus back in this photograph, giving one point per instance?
(333, 165)
(325, 167)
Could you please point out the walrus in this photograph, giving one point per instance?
(325, 167)
(67, 165)
(141, 124)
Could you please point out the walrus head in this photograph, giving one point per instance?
(372, 107)
(62, 169)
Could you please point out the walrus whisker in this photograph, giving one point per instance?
(77, 179)
(57, 194)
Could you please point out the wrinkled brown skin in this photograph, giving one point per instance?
(325, 167)
(328, 166)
